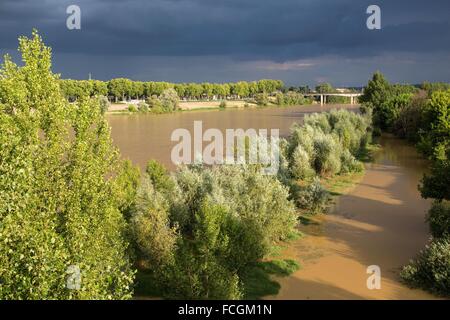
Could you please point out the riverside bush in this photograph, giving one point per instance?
(410, 122)
(153, 235)
(159, 177)
(262, 99)
(349, 163)
(126, 184)
(319, 121)
(279, 98)
(326, 137)
(143, 107)
(104, 103)
(290, 98)
(338, 100)
(326, 155)
(302, 136)
(352, 129)
(312, 197)
(431, 269)
(439, 219)
(245, 191)
(324, 146)
(388, 112)
(169, 100)
(301, 165)
(200, 269)
(225, 217)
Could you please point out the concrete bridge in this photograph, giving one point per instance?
(323, 96)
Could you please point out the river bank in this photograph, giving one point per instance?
(380, 222)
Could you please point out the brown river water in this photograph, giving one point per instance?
(380, 222)
(144, 137)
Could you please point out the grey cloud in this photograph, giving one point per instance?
(242, 31)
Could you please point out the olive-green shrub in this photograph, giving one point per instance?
(431, 268)
(439, 219)
(313, 197)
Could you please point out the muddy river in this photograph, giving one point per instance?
(144, 137)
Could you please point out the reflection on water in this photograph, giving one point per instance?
(144, 137)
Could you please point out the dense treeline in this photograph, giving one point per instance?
(122, 89)
(75, 221)
(421, 115)
(126, 89)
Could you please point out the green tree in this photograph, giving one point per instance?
(431, 87)
(241, 89)
(262, 99)
(153, 235)
(169, 100)
(57, 199)
(120, 88)
(387, 113)
(159, 177)
(435, 140)
(104, 103)
(100, 88)
(436, 183)
(376, 91)
(137, 89)
(324, 88)
(194, 90)
(200, 271)
(180, 88)
(253, 88)
(126, 185)
(208, 89)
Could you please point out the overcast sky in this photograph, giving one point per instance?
(298, 41)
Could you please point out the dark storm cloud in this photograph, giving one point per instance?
(229, 31)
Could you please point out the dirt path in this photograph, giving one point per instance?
(380, 222)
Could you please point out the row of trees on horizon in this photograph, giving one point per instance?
(122, 89)
(126, 89)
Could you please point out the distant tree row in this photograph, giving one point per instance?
(125, 89)
(323, 87)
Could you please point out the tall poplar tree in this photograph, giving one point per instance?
(61, 232)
